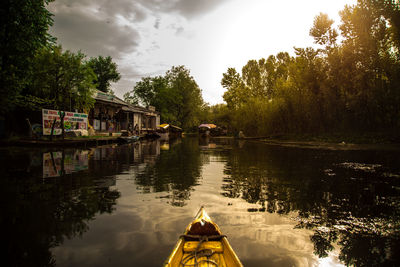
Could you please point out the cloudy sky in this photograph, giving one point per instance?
(148, 37)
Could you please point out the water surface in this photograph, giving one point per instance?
(127, 205)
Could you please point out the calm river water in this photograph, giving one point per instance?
(126, 205)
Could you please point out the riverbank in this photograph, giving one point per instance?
(57, 142)
(331, 146)
(364, 141)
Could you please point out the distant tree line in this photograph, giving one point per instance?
(350, 83)
(36, 73)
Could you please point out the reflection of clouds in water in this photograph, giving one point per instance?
(391, 175)
(287, 180)
(257, 238)
(109, 242)
(360, 166)
(267, 238)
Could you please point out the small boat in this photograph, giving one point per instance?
(167, 131)
(203, 244)
(128, 139)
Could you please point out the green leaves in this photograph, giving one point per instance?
(347, 86)
(322, 30)
(63, 78)
(106, 72)
(176, 95)
(23, 30)
(258, 80)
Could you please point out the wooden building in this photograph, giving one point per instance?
(113, 115)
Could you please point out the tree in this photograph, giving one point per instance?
(322, 30)
(188, 99)
(372, 55)
(176, 95)
(390, 10)
(23, 30)
(106, 72)
(63, 78)
(147, 90)
(347, 86)
(131, 99)
(235, 94)
(259, 79)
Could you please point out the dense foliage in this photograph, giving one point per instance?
(176, 95)
(23, 29)
(63, 80)
(36, 74)
(106, 72)
(351, 85)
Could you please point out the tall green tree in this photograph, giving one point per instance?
(175, 95)
(24, 28)
(322, 30)
(370, 44)
(390, 10)
(258, 80)
(148, 89)
(63, 78)
(106, 72)
(188, 98)
(236, 92)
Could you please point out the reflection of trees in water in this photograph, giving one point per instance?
(39, 214)
(176, 171)
(338, 195)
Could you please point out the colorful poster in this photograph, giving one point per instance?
(72, 121)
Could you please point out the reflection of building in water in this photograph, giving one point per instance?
(150, 151)
(114, 159)
(54, 210)
(204, 143)
(146, 151)
(60, 162)
(164, 146)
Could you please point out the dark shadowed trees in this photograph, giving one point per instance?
(23, 30)
(64, 79)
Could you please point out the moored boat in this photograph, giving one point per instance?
(205, 129)
(167, 131)
(203, 244)
(128, 139)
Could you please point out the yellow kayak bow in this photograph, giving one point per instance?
(203, 244)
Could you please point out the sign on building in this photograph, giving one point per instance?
(72, 121)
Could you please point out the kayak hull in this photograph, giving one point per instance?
(203, 245)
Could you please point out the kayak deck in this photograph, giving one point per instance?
(211, 253)
(203, 245)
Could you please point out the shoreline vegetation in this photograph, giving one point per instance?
(349, 87)
(324, 145)
(338, 141)
(85, 141)
(343, 90)
(364, 141)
